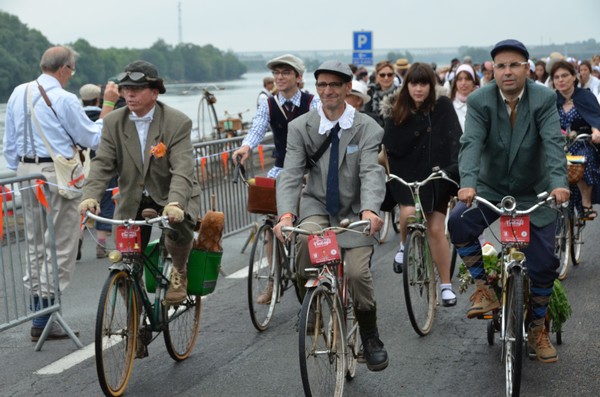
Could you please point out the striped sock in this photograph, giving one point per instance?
(471, 255)
(540, 297)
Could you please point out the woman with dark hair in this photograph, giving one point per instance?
(579, 113)
(541, 76)
(384, 86)
(586, 79)
(422, 132)
(464, 83)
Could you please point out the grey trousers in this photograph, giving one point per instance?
(356, 264)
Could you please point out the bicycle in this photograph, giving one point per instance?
(419, 275)
(576, 218)
(510, 318)
(329, 350)
(272, 263)
(124, 302)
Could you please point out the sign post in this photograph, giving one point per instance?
(362, 54)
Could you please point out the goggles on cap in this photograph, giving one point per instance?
(134, 76)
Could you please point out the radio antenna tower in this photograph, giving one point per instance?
(180, 27)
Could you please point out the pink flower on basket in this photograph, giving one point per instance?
(159, 150)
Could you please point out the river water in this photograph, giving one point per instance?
(232, 96)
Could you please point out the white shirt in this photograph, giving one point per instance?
(70, 124)
(142, 128)
(461, 111)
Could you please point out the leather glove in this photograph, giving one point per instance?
(174, 212)
(91, 205)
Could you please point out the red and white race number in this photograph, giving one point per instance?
(514, 229)
(129, 239)
(324, 250)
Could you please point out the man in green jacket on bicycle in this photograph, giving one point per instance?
(512, 145)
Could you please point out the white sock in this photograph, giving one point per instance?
(447, 293)
(400, 254)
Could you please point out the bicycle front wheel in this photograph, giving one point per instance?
(577, 226)
(419, 283)
(383, 232)
(562, 244)
(182, 324)
(116, 333)
(513, 328)
(261, 277)
(321, 344)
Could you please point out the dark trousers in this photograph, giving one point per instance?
(541, 264)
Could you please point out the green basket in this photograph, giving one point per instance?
(203, 270)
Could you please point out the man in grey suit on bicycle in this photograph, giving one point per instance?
(354, 191)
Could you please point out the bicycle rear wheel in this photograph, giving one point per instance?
(513, 338)
(419, 283)
(262, 276)
(562, 246)
(182, 324)
(116, 333)
(577, 226)
(384, 231)
(321, 346)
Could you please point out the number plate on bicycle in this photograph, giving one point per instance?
(129, 239)
(324, 250)
(514, 229)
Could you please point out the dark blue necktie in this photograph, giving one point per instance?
(333, 187)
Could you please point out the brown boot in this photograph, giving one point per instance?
(539, 341)
(265, 297)
(177, 291)
(483, 300)
(178, 284)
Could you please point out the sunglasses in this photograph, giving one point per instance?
(388, 75)
(134, 76)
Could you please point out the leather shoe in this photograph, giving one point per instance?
(56, 332)
(375, 354)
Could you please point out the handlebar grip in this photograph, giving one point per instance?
(236, 171)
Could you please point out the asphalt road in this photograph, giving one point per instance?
(232, 359)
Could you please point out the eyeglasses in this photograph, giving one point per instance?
(284, 73)
(511, 66)
(384, 75)
(72, 69)
(336, 85)
(562, 76)
(134, 76)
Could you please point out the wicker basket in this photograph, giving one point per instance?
(575, 173)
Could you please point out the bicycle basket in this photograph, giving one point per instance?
(575, 172)
(203, 271)
(262, 197)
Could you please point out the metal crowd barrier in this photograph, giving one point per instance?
(28, 246)
(214, 168)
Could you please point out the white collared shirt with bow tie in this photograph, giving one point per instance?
(142, 125)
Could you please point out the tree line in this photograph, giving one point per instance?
(21, 49)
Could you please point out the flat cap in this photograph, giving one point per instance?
(290, 60)
(510, 44)
(89, 92)
(336, 67)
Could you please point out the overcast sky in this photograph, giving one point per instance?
(261, 25)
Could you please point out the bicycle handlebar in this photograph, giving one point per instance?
(127, 222)
(344, 226)
(239, 171)
(436, 174)
(508, 204)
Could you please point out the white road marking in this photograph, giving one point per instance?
(68, 361)
(242, 273)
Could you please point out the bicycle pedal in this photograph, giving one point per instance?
(485, 317)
